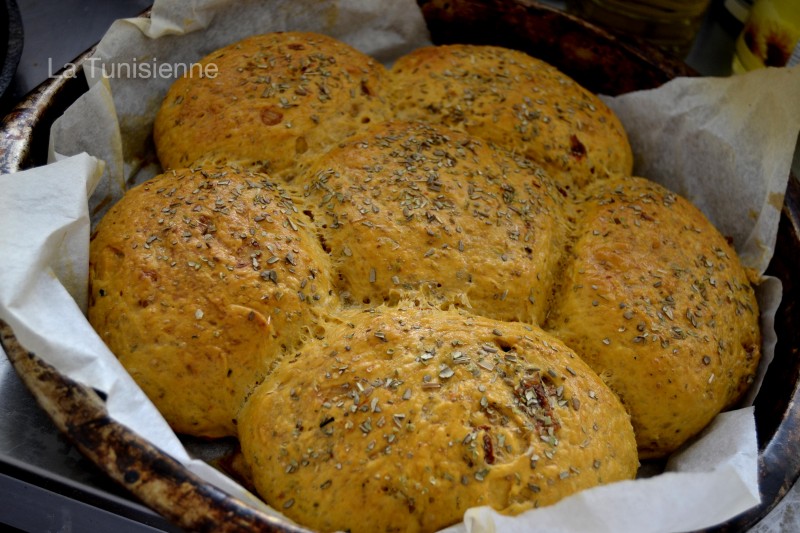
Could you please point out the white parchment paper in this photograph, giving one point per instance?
(726, 144)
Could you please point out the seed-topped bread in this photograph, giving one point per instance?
(402, 419)
(273, 100)
(462, 301)
(412, 206)
(656, 301)
(200, 280)
(514, 101)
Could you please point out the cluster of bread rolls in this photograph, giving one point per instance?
(413, 291)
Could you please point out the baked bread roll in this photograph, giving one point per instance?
(416, 207)
(515, 101)
(275, 98)
(401, 419)
(199, 281)
(282, 315)
(655, 300)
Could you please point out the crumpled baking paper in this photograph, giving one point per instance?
(726, 144)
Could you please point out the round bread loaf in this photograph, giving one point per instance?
(401, 419)
(199, 281)
(656, 301)
(274, 99)
(515, 101)
(412, 206)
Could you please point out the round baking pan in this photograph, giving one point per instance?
(600, 61)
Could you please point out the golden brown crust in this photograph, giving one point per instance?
(401, 419)
(655, 300)
(515, 101)
(216, 288)
(200, 281)
(274, 99)
(410, 207)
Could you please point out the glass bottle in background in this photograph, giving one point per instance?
(770, 38)
(669, 24)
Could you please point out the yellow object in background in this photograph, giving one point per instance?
(770, 38)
